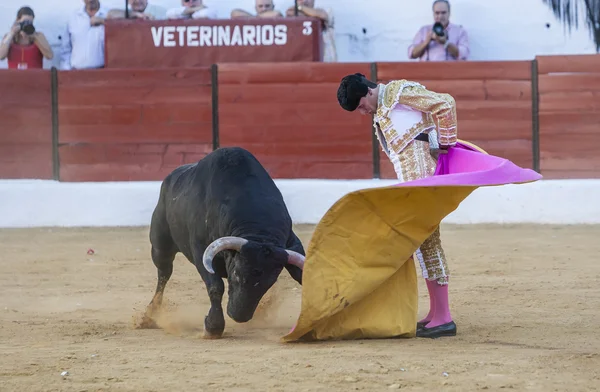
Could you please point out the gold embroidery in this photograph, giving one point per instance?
(397, 143)
(441, 108)
(413, 163)
(435, 108)
(412, 159)
(391, 93)
(433, 259)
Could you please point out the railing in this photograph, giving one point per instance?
(139, 124)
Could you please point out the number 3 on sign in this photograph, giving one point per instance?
(307, 30)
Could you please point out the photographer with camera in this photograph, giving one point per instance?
(444, 41)
(23, 46)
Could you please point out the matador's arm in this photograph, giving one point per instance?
(441, 106)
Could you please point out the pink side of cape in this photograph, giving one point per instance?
(466, 166)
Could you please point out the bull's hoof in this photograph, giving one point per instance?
(214, 325)
(147, 323)
(212, 335)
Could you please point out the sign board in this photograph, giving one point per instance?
(202, 42)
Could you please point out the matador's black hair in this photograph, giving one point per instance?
(352, 89)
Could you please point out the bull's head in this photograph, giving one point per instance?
(252, 269)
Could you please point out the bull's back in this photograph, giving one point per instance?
(235, 172)
(227, 184)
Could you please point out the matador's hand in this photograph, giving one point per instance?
(435, 152)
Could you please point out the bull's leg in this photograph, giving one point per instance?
(214, 322)
(295, 244)
(163, 253)
(163, 260)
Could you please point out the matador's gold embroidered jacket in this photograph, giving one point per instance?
(406, 109)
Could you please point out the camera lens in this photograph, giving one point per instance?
(438, 29)
(27, 27)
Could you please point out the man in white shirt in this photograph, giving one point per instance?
(139, 9)
(192, 9)
(82, 45)
(264, 9)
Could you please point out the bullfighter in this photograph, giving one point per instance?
(413, 125)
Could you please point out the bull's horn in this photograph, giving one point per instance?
(295, 258)
(218, 245)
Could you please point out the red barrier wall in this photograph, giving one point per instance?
(139, 124)
(569, 104)
(25, 124)
(493, 101)
(132, 124)
(288, 116)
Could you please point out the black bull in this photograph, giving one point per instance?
(224, 212)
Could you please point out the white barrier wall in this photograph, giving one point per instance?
(378, 30)
(38, 203)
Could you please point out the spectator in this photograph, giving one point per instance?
(23, 46)
(264, 9)
(191, 9)
(307, 8)
(83, 42)
(451, 45)
(139, 9)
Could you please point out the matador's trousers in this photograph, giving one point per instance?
(413, 163)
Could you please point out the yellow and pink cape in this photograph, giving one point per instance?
(359, 278)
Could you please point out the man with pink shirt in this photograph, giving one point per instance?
(451, 44)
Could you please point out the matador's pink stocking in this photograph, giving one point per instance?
(430, 284)
(439, 293)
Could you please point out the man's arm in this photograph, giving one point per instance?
(179, 12)
(441, 106)
(271, 14)
(205, 13)
(120, 14)
(459, 51)
(463, 50)
(115, 14)
(238, 13)
(420, 43)
(308, 11)
(96, 21)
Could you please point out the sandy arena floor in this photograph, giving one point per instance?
(526, 300)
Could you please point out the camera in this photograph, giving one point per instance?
(27, 27)
(438, 29)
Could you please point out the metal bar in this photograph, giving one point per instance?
(296, 7)
(535, 114)
(54, 98)
(126, 9)
(215, 105)
(374, 141)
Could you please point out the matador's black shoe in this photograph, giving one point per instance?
(448, 329)
(421, 324)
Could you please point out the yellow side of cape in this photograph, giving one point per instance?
(359, 277)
